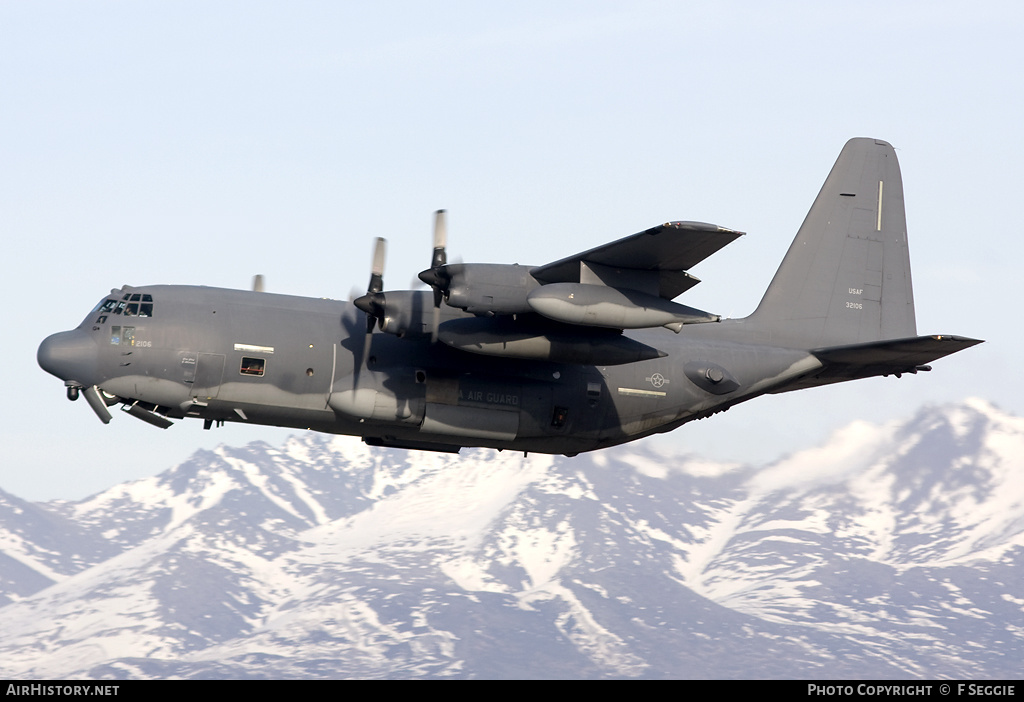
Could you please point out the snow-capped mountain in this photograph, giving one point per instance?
(890, 551)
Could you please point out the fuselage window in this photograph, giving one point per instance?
(253, 366)
(559, 416)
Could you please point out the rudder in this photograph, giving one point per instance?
(846, 276)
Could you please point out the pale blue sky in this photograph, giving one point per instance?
(197, 142)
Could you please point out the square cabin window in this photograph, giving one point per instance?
(253, 366)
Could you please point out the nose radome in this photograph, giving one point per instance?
(70, 355)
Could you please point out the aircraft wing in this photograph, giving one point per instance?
(655, 260)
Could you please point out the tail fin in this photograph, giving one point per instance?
(846, 277)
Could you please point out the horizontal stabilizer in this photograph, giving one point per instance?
(889, 357)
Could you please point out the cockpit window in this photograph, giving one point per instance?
(131, 305)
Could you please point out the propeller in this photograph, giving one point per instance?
(372, 303)
(437, 275)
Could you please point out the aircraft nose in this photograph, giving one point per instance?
(69, 355)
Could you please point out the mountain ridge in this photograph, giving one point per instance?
(888, 551)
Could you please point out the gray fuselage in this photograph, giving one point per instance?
(261, 358)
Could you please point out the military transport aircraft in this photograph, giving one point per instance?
(583, 353)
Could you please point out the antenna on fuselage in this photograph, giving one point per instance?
(257, 282)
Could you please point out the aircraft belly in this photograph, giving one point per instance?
(643, 396)
(237, 393)
(158, 391)
(701, 376)
(470, 422)
(472, 408)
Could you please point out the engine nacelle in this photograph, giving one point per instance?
(489, 288)
(407, 312)
(543, 342)
(615, 308)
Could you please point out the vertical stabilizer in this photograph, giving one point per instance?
(846, 277)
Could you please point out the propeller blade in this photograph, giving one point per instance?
(436, 276)
(435, 323)
(440, 256)
(366, 350)
(377, 271)
(372, 303)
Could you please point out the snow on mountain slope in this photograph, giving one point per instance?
(913, 530)
(890, 551)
